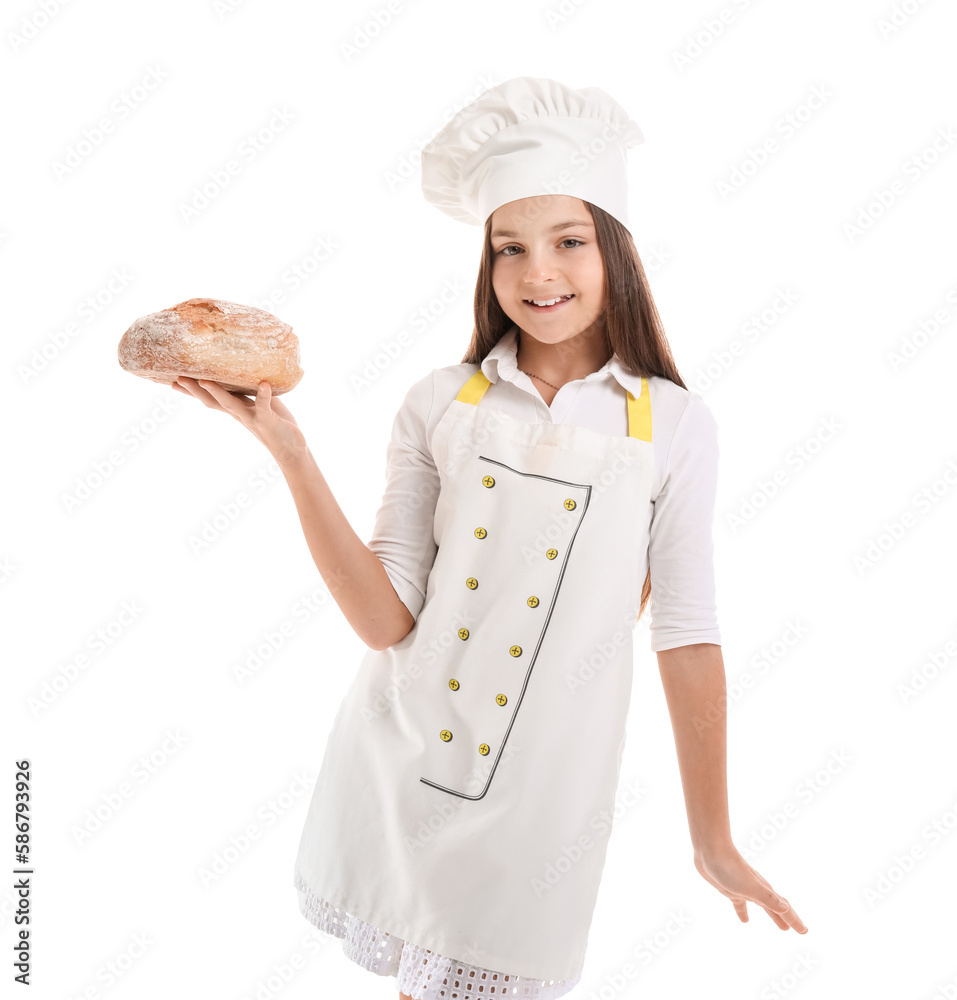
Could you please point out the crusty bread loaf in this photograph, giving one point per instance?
(236, 346)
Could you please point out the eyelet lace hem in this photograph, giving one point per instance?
(420, 972)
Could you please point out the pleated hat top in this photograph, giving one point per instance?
(531, 136)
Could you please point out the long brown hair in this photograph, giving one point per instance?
(630, 325)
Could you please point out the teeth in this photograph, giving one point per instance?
(549, 302)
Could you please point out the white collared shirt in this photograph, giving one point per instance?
(680, 513)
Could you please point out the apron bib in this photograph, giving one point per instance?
(465, 796)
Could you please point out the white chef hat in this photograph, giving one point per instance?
(531, 136)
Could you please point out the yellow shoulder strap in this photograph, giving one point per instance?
(639, 410)
(639, 413)
(474, 388)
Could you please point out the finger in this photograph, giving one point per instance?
(226, 400)
(194, 387)
(264, 395)
(791, 919)
(191, 386)
(781, 912)
(777, 918)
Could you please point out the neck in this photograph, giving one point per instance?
(563, 362)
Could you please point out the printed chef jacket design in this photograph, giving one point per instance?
(467, 759)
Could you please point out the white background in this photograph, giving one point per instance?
(852, 215)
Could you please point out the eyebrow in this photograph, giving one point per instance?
(561, 225)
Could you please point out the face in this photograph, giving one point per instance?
(543, 248)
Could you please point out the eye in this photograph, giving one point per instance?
(512, 246)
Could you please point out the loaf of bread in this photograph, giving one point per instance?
(236, 346)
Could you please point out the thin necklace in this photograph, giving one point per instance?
(552, 384)
(532, 375)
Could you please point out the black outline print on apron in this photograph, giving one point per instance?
(584, 507)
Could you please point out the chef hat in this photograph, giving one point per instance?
(531, 136)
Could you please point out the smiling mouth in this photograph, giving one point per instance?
(561, 300)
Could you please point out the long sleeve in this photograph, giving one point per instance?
(403, 534)
(681, 549)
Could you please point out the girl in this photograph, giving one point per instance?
(539, 495)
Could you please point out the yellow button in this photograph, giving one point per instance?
(570, 504)
(488, 481)
(446, 735)
(501, 699)
(483, 749)
(471, 583)
(516, 650)
(532, 602)
(454, 684)
(551, 553)
(480, 532)
(463, 633)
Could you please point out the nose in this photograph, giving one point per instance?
(540, 266)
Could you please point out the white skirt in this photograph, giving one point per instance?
(420, 972)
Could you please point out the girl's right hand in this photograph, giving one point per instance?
(267, 417)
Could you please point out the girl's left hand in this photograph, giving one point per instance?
(732, 876)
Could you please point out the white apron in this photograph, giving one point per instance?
(465, 795)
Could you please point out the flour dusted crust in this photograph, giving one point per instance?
(237, 346)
